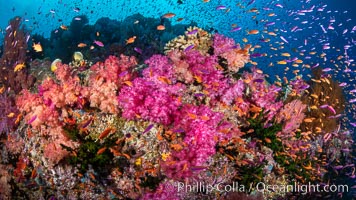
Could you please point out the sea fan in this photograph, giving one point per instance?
(8, 113)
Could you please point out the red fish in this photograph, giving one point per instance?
(105, 133)
(168, 15)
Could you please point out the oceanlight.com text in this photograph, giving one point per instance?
(201, 187)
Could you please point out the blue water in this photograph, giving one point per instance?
(43, 16)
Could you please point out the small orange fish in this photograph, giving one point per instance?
(168, 15)
(251, 131)
(272, 33)
(285, 80)
(19, 67)
(120, 141)
(180, 19)
(308, 120)
(198, 78)
(179, 99)
(192, 116)
(164, 80)
(131, 40)
(64, 27)
(126, 155)
(11, 115)
(37, 47)
(18, 118)
(316, 81)
(225, 131)
(219, 67)
(70, 121)
(159, 137)
(253, 32)
(161, 27)
(92, 176)
(176, 147)
(309, 167)
(2, 89)
(253, 10)
(34, 173)
(314, 96)
(268, 140)
(115, 152)
(101, 150)
(205, 118)
(230, 157)
(81, 45)
(255, 109)
(129, 83)
(105, 133)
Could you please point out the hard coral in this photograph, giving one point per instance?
(194, 36)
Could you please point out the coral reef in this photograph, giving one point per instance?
(113, 34)
(326, 101)
(13, 70)
(193, 37)
(115, 129)
(9, 114)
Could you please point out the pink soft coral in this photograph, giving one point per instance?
(159, 66)
(105, 81)
(222, 44)
(53, 150)
(114, 69)
(181, 67)
(226, 48)
(155, 96)
(150, 101)
(234, 91)
(200, 125)
(292, 114)
(37, 112)
(165, 190)
(262, 94)
(103, 95)
(205, 70)
(236, 59)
